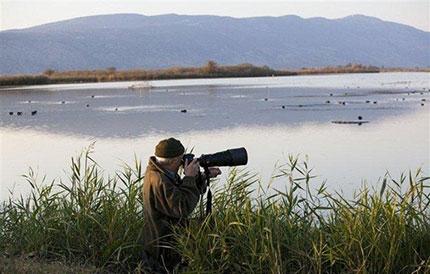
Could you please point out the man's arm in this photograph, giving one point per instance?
(177, 201)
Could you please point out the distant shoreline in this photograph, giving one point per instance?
(211, 70)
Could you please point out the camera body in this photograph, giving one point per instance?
(230, 157)
(188, 156)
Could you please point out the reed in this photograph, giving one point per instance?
(210, 70)
(305, 230)
(90, 219)
(254, 227)
(24, 79)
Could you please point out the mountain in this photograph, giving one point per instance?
(126, 41)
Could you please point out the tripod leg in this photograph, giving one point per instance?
(209, 196)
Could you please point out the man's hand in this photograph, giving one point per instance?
(191, 169)
(213, 172)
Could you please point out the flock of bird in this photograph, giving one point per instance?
(34, 112)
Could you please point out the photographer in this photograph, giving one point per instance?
(168, 200)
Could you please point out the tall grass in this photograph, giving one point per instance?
(89, 219)
(300, 230)
(254, 227)
(24, 79)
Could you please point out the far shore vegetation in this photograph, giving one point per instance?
(93, 224)
(210, 70)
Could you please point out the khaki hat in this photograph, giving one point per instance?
(169, 148)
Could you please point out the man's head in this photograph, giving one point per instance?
(169, 153)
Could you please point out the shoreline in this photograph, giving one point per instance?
(132, 82)
(210, 71)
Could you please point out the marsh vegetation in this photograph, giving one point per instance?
(210, 70)
(300, 228)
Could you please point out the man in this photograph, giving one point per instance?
(168, 200)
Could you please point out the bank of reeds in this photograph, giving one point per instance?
(88, 219)
(296, 228)
(210, 70)
(24, 80)
(300, 229)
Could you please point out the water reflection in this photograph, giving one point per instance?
(343, 154)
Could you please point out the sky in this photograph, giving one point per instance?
(16, 14)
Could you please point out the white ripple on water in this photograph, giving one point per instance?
(142, 108)
(47, 102)
(109, 96)
(240, 96)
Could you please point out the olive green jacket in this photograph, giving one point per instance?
(167, 201)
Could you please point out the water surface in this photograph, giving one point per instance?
(272, 117)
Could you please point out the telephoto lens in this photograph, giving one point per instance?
(230, 157)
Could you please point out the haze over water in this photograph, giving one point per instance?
(272, 117)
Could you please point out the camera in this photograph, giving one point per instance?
(230, 157)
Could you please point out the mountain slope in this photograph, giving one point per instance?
(136, 41)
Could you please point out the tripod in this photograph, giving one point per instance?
(208, 196)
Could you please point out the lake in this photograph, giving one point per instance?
(272, 117)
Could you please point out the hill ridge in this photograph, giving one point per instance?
(131, 40)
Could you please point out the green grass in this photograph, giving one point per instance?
(88, 219)
(300, 230)
(97, 221)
